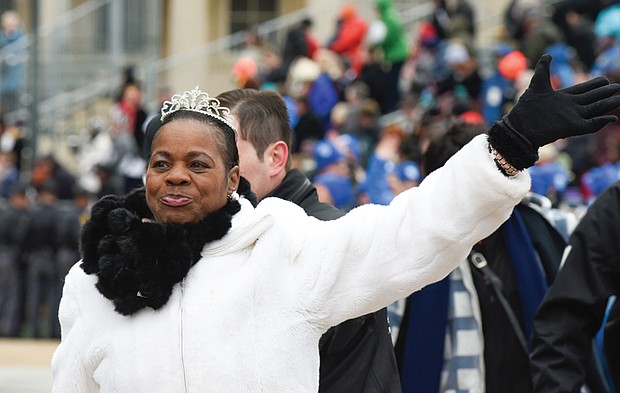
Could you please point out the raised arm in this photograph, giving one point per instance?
(390, 252)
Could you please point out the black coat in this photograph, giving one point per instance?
(507, 369)
(357, 355)
(573, 309)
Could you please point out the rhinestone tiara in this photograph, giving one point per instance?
(196, 100)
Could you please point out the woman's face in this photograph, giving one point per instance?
(186, 178)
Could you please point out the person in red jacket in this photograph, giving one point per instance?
(349, 39)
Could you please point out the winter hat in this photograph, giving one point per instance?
(244, 69)
(512, 65)
(348, 11)
(304, 69)
(428, 35)
(409, 171)
(352, 145)
(456, 53)
(472, 117)
(606, 23)
(377, 31)
(325, 153)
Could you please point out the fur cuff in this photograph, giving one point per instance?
(513, 146)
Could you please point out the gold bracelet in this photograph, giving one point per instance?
(507, 167)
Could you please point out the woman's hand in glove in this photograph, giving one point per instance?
(543, 115)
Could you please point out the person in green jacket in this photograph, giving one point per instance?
(395, 49)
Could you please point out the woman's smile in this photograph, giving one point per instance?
(175, 200)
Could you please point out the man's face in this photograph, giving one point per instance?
(255, 169)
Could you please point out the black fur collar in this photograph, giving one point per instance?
(138, 263)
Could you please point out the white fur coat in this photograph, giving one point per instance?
(249, 315)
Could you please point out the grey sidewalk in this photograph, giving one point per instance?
(25, 380)
(25, 365)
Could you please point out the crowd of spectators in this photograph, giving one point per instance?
(372, 75)
(365, 106)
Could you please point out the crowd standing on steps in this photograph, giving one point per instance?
(364, 108)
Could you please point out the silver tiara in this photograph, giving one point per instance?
(199, 101)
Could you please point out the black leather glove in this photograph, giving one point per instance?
(543, 115)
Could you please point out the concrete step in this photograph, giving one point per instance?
(25, 365)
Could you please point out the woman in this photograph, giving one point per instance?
(184, 286)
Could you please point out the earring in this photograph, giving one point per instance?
(233, 196)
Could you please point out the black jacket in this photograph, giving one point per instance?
(357, 355)
(573, 309)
